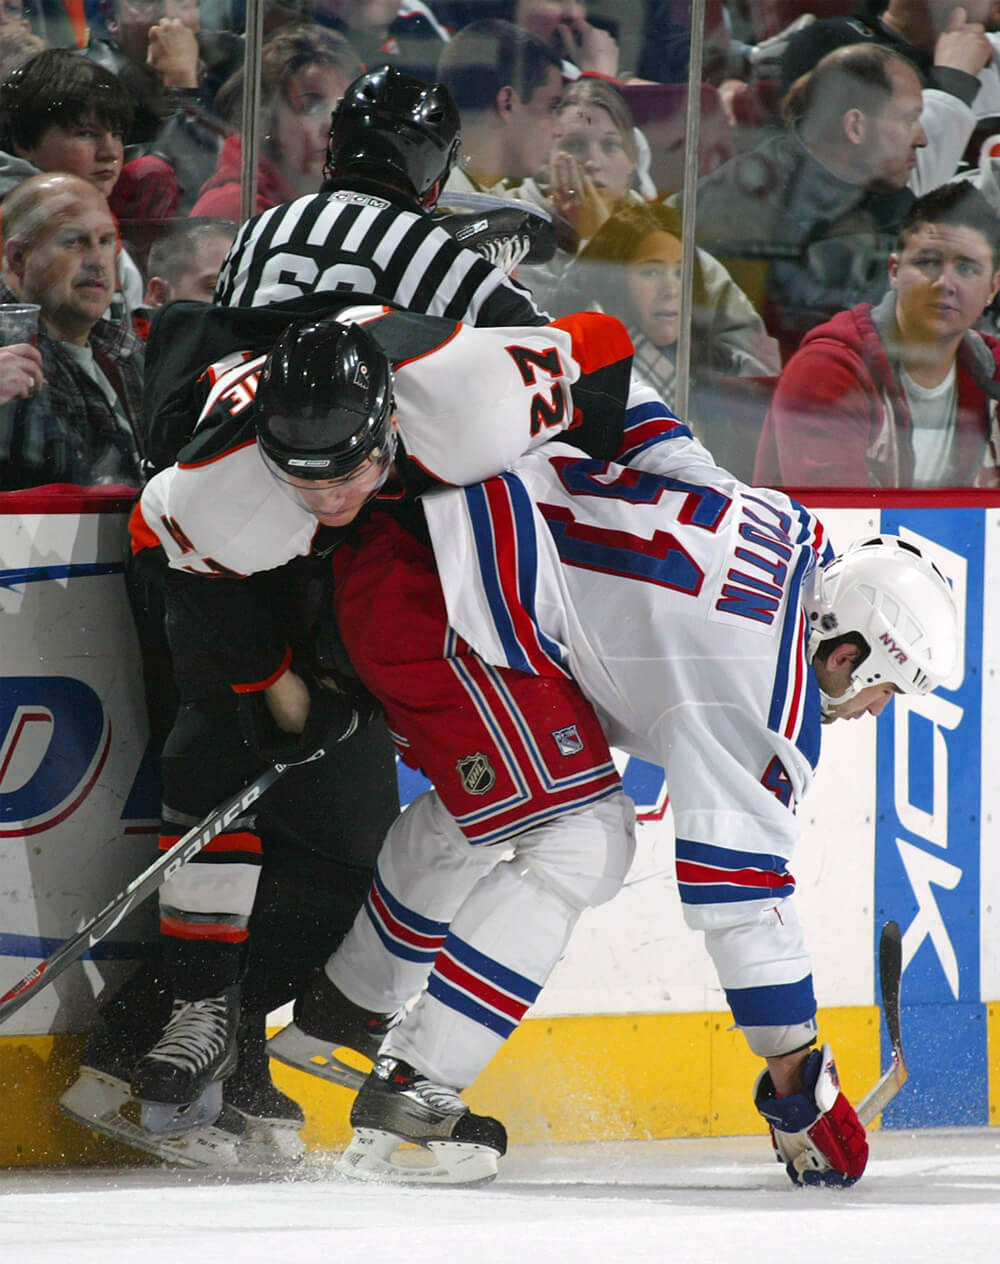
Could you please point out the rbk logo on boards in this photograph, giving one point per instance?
(54, 741)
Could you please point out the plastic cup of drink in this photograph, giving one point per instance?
(18, 323)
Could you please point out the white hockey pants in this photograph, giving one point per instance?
(482, 927)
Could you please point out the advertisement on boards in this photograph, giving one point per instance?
(928, 845)
(78, 798)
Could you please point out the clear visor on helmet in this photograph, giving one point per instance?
(334, 497)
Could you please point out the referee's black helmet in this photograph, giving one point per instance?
(324, 402)
(395, 127)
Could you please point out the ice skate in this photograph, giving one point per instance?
(271, 1118)
(179, 1081)
(410, 1131)
(323, 1021)
(104, 1104)
(258, 1126)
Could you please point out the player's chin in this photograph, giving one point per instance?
(342, 519)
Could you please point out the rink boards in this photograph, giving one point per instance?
(631, 1037)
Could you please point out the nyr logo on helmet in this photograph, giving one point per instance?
(54, 741)
(893, 649)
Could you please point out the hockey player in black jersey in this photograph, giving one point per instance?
(205, 752)
(393, 141)
(398, 137)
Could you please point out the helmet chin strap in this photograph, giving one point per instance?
(827, 703)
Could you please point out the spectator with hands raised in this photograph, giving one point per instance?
(953, 55)
(598, 165)
(563, 25)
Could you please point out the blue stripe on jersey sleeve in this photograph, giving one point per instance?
(788, 649)
(487, 548)
(811, 731)
(778, 1005)
(640, 435)
(727, 857)
(641, 413)
(485, 543)
(811, 527)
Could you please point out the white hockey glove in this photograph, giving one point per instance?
(816, 1133)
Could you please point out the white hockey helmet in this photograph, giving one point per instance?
(892, 595)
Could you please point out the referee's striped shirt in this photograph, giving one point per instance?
(349, 239)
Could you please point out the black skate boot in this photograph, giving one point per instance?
(126, 1027)
(397, 1105)
(325, 1020)
(257, 1127)
(179, 1081)
(271, 1119)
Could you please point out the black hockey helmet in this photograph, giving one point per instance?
(324, 402)
(392, 125)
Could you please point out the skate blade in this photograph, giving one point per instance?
(292, 1046)
(270, 1142)
(169, 1119)
(374, 1155)
(102, 1103)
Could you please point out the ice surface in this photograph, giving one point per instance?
(927, 1197)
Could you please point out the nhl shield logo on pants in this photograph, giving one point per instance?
(476, 773)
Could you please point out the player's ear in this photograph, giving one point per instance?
(845, 654)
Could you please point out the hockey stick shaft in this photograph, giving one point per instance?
(890, 969)
(138, 890)
(881, 1094)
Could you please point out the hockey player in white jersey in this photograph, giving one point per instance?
(713, 633)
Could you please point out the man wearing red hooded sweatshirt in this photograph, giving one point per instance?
(903, 394)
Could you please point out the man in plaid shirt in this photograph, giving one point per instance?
(80, 425)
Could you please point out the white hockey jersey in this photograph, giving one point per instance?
(469, 401)
(671, 593)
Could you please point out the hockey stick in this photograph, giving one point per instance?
(140, 888)
(890, 972)
(890, 969)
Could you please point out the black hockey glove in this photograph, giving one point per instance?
(334, 716)
(505, 234)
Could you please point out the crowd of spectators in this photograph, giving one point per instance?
(836, 122)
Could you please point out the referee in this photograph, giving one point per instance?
(393, 141)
